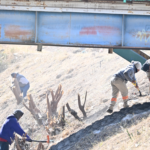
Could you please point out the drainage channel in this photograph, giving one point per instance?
(106, 127)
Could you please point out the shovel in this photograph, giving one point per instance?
(137, 88)
(48, 141)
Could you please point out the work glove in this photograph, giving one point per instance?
(135, 84)
(23, 139)
(29, 140)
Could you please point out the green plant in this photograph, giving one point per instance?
(129, 134)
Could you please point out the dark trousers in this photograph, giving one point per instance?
(4, 145)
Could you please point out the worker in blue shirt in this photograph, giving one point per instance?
(10, 127)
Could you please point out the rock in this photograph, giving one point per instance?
(1, 50)
(77, 51)
(105, 100)
(58, 76)
(137, 144)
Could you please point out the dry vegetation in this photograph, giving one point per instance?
(77, 70)
(11, 54)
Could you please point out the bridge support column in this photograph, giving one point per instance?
(130, 55)
(39, 47)
(110, 50)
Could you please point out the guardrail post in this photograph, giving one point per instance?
(110, 50)
(39, 47)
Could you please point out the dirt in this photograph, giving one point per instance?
(78, 70)
(135, 138)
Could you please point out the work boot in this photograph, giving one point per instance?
(126, 104)
(110, 110)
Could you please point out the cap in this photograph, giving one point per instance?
(18, 113)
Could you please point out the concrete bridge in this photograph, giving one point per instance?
(103, 24)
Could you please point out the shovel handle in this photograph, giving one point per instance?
(137, 88)
(50, 141)
(39, 141)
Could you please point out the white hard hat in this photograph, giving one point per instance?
(137, 64)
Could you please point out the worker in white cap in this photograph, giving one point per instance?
(119, 80)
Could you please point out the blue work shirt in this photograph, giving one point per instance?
(10, 127)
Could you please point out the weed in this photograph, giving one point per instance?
(129, 134)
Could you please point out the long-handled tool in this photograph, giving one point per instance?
(48, 140)
(135, 84)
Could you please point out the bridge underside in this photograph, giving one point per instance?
(88, 28)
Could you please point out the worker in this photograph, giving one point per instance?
(146, 68)
(119, 80)
(23, 83)
(10, 127)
